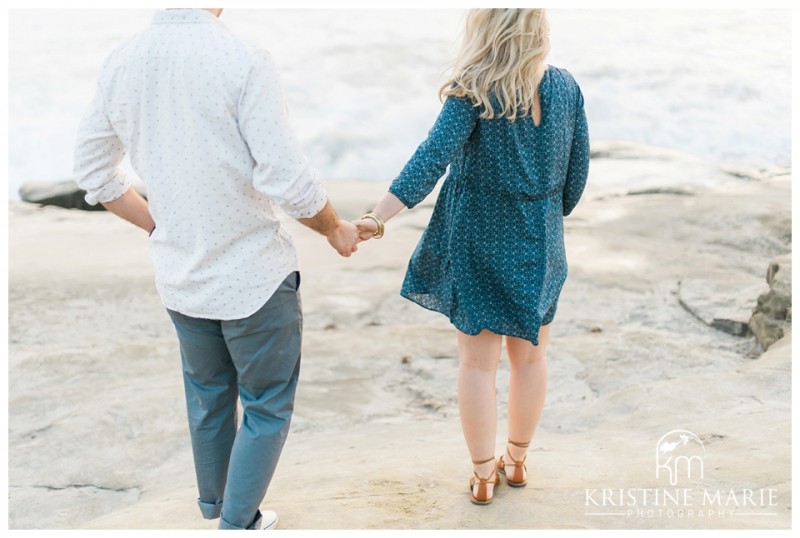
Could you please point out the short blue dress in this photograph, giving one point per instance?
(492, 256)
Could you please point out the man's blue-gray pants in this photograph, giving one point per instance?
(256, 359)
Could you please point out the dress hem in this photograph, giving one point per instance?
(534, 340)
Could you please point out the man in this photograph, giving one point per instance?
(203, 117)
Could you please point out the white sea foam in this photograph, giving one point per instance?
(361, 84)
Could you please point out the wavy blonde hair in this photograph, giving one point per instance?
(503, 54)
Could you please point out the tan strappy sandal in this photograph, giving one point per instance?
(517, 477)
(482, 496)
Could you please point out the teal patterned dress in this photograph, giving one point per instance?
(492, 256)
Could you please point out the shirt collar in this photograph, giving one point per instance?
(183, 16)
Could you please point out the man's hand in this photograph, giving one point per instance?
(366, 228)
(342, 235)
(344, 238)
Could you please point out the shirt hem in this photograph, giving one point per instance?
(208, 315)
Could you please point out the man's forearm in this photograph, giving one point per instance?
(133, 208)
(324, 222)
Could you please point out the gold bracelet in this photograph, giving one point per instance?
(379, 221)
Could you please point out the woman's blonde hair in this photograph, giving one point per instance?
(503, 54)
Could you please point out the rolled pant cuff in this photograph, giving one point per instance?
(210, 510)
(226, 525)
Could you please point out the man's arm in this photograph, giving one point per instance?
(133, 208)
(282, 171)
(98, 155)
(342, 235)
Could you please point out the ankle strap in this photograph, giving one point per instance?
(520, 445)
(482, 462)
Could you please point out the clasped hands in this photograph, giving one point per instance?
(347, 235)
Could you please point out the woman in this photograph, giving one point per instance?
(513, 131)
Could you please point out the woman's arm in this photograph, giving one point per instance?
(578, 168)
(385, 210)
(448, 135)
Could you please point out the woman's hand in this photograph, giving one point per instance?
(366, 228)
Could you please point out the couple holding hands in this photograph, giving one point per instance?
(202, 116)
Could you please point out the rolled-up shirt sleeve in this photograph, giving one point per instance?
(281, 171)
(98, 155)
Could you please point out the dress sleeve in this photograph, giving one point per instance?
(98, 155)
(578, 168)
(281, 170)
(453, 127)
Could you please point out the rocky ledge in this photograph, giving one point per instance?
(772, 315)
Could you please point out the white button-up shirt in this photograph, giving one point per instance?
(202, 115)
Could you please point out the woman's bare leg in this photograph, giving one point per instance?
(526, 389)
(477, 402)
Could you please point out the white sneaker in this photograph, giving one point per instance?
(267, 521)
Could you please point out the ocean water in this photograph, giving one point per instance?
(361, 84)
